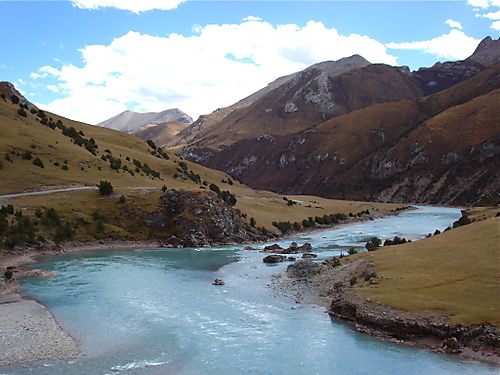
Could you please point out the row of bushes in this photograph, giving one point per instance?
(18, 228)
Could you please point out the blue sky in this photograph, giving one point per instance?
(89, 60)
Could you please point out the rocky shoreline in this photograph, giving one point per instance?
(330, 286)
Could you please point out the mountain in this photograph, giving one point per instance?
(160, 133)
(487, 52)
(439, 149)
(128, 121)
(207, 123)
(311, 97)
(8, 90)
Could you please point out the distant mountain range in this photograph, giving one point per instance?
(370, 131)
(129, 121)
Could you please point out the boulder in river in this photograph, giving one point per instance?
(274, 258)
(309, 255)
(218, 282)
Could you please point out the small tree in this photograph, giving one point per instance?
(38, 162)
(252, 222)
(373, 244)
(105, 188)
(14, 99)
(22, 112)
(8, 275)
(2, 95)
(352, 251)
(122, 199)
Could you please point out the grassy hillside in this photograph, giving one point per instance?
(24, 139)
(455, 273)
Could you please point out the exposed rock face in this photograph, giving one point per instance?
(487, 52)
(8, 89)
(197, 219)
(212, 125)
(440, 149)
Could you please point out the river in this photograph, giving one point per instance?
(155, 311)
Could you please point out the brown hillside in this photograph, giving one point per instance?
(161, 134)
(440, 149)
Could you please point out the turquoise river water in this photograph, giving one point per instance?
(155, 311)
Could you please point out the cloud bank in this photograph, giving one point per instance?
(214, 67)
(135, 6)
(455, 45)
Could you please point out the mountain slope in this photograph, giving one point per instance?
(160, 133)
(128, 121)
(208, 123)
(440, 149)
(70, 158)
(309, 99)
(8, 89)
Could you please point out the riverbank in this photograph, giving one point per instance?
(30, 333)
(433, 307)
(25, 256)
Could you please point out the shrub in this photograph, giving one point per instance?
(105, 188)
(335, 262)
(183, 165)
(8, 274)
(253, 222)
(38, 162)
(2, 95)
(352, 251)
(164, 188)
(7, 210)
(14, 99)
(213, 187)
(283, 226)
(1, 165)
(51, 218)
(395, 241)
(464, 220)
(22, 112)
(373, 244)
(64, 232)
(7, 157)
(370, 275)
(122, 199)
(65, 167)
(436, 232)
(4, 224)
(27, 155)
(151, 144)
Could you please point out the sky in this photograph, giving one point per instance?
(92, 59)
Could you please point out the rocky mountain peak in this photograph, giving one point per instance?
(487, 52)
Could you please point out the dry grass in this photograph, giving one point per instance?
(456, 273)
(26, 134)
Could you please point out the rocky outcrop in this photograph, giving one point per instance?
(188, 219)
(292, 249)
(8, 89)
(386, 322)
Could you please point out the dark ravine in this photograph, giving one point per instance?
(322, 284)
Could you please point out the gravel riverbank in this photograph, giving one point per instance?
(30, 332)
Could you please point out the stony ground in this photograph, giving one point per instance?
(29, 333)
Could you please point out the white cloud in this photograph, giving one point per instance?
(214, 68)
(135, 6)
(484, 3)
(252, 18)
(454, 45)
(491, 15)
(495, 25)
(453, 24)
